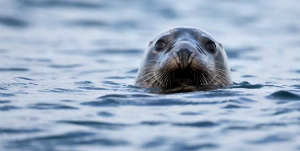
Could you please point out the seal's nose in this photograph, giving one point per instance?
(184, 55)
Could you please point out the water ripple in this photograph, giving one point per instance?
(61, 3)
(64, 66)
(191, 113)
(272, 139)
(199, 124)
(284, 96)
(182, 146)
(61, 90)
(4, 101)
(234, 53)
(247, 85)
(218, 93)
(8, 108)
(115, 101)
(105, 114)
(234, 106)
(17, 131)
(86, 23)
(116, 51)
(91, 88)
(96, 124)
(7, 94)
(156, 142)
(152, 123)
(47, 106)
(24, 78)
(83, 83)
(13, 69)
(13, 22)
(67, 140)
(262, 126)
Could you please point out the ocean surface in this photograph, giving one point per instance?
(67, 71)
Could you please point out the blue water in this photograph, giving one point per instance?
(68, 68)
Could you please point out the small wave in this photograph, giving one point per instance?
(110, 83)
(284, 95)
(117, 101)
(296, 86)
(156, 142)
(241, 100)
(114, 100)
(4, 101)
(83, 83)
(35, 59)
(238, 128)
(247, 85)
(64, 66)
(86, 23)
(272, 139)
(96, 124)
(183, 146)
(134, 71)
(18, 131)
(282, 111)
(91, 88)
(13, 22)
(248, 76)
(8, 108)
(13, 69)
(233, 106)
(61, 90)
(262, 126)
(66, 140)
(47, 106)
(234, 53)
(217, 93)
(116, 51)
(24, 78)
(105, 114)
(7, 94)
(191, 113)
(61, 3)
(152, 123)
(92, 72)
(119, 77)
(200, 124)
(2, 88)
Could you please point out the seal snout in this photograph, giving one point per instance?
(183, 57)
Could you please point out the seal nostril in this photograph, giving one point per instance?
(184, 54)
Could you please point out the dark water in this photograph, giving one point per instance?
(67, 70)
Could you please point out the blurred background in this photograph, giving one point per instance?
(67, 69)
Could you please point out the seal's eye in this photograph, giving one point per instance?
(211, 46)
(160, 45)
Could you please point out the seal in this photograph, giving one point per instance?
(184, 59)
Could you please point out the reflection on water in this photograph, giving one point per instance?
(68, 67)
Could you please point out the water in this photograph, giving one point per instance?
(67, 70)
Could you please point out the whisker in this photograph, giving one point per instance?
(145, 75)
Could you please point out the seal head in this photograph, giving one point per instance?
(184, 58)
